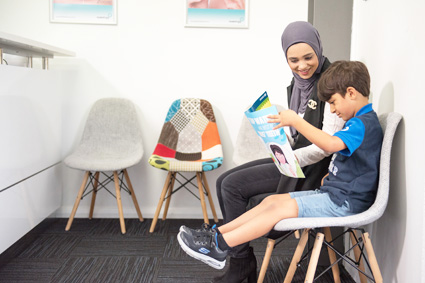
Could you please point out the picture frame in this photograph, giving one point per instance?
(84, 11)
(216, 13)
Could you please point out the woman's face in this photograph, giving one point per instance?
(302, 60)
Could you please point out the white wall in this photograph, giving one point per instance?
(389, 37)
(150, 58)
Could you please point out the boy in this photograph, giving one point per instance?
(349, 188)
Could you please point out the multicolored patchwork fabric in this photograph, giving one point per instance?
(189, 140)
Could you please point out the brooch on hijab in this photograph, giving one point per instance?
(312, 104)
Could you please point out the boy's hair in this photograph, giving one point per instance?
(343, 74)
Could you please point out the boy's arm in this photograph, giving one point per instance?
(318, 137)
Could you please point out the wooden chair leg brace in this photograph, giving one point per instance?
(118, 184)
(167, 191)
(326, 236)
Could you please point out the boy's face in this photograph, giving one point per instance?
(342, 106)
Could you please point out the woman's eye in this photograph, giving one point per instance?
(293, 61)
(308, 58)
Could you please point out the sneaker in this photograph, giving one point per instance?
(204, 228)
(202, 246)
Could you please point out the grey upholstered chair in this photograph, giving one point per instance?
(319, 227)
(111, 142)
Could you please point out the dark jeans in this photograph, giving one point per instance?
(236, 186)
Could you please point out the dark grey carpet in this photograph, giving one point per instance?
(95, 251)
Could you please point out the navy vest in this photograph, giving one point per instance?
(355, 177)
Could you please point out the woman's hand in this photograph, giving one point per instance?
(284, 118)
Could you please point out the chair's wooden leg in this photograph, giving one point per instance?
(332, 256)
(77, 201)
(266, 260)
(315, 253)
(94, 194)
(357, 255)
(372, 258)
(118, 196)
(161, 200)
(170, 192)
(133, 195)
(297, 234)
(207, 188)
(297, 256)
(202, 196)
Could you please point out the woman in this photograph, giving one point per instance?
(252, 181)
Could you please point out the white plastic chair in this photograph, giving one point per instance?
(319, 227)
(111, 143)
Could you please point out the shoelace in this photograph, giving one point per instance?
(203, 239)
(206, 228)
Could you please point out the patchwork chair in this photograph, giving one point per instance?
(111, 143)
(318, 228)
(189, 142)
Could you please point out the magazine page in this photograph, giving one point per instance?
(275, 141)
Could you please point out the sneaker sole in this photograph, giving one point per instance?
(204, 258)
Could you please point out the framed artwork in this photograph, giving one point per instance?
(216, 13)
(84, 11)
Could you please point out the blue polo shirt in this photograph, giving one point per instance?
(354, 171)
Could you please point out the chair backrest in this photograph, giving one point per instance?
(249, 146)
(189, 139)
(389, 123)
(112, 137)
(112, 121)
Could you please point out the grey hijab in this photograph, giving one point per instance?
(294, 33)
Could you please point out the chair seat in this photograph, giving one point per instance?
(353, 221)
(174, 165)
(88, 158)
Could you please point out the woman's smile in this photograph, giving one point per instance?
(304, 73)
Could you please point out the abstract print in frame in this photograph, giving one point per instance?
(84, 11)
(216, 13)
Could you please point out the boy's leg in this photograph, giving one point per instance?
(213, 249)
(236, 186)
(260, 220)
(250, 214)
(234, 191)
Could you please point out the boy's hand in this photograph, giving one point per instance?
(285, 118)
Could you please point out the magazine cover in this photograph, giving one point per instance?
(275, 141)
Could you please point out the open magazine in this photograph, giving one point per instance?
(275, 141)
